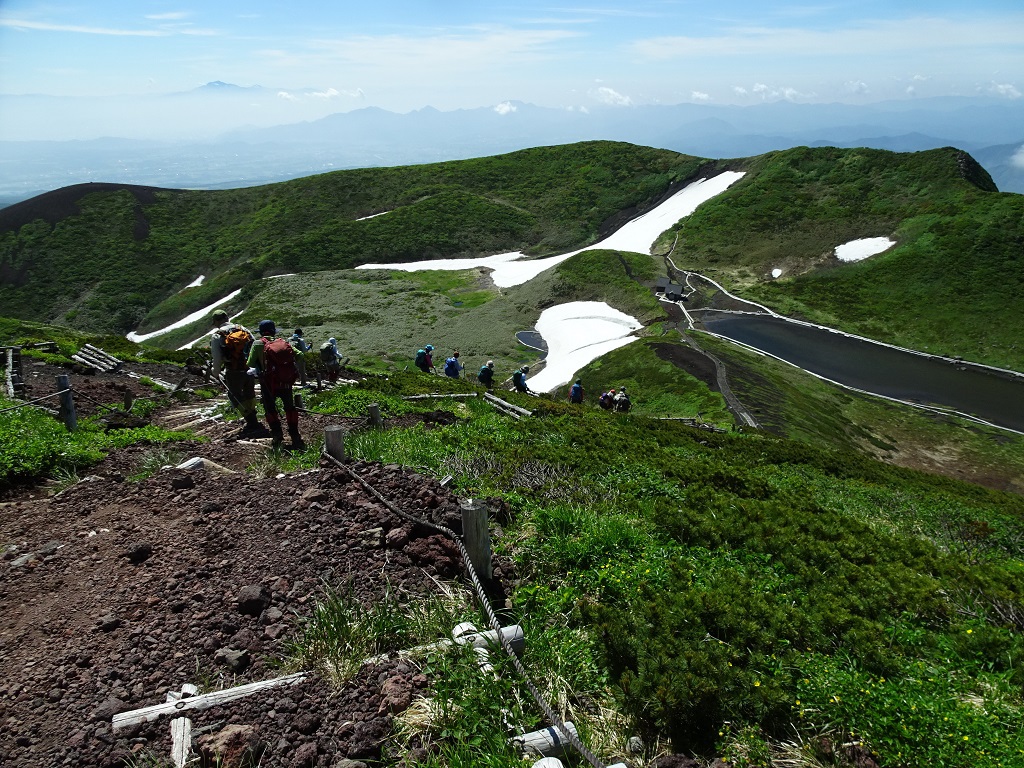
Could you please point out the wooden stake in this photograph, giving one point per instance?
(67, 403)
(477, 536)
(334, 441)
(181, 741)
(547, 742)
(375, 418)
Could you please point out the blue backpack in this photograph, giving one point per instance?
(421, 358)
(576, 394)
(451, 367)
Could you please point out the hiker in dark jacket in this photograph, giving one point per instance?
(486, 375)
(229, 349)
(273, 361)
(576, 392)
(301, 347)
(519, 379)
(425, 358)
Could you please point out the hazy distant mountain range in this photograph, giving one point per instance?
(991, 130)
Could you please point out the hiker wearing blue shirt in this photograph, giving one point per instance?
(452, 366)
(519, 379)
(576, 392)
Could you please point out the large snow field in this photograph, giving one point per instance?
(856, 250)
(577, 333)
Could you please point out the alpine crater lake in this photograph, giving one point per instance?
(987, 394)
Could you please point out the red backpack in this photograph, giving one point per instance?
(279, 369)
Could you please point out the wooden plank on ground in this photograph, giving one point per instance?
(205, 701)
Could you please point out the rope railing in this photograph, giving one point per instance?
(492, 617)
(28, 403)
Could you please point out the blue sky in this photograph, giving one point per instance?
(323, 57)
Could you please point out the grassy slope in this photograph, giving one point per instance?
(950, 286)
(124, 255)
(744, 588)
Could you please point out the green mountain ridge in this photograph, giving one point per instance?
(758, 595)
(949, 286)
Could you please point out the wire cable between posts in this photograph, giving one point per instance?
(492, 618)
(27, 403)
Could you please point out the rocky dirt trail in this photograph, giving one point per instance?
(116, 593)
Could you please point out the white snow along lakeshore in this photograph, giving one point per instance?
(577, 333)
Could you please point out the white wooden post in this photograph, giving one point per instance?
(375, 418)
(334, 441)
(477, 536)
(547, 742)
(181, 741)
(67, 402)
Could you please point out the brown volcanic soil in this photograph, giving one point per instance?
(115, 593)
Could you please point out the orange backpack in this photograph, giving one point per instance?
(236, 348)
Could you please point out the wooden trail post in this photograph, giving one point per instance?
(477, 536)
(67, 402)
(547, 742)
(375, 418)
(334, 441)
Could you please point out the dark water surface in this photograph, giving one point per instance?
(993, 397)
(535, 340)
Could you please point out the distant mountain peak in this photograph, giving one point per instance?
(220, 85)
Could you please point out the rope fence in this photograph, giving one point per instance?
(29, 403)
(492, 617)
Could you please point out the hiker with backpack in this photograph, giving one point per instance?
(229, 350)
(622, 401)
(576, 392)
(452, 366)
(607, 400)
(272, 359)
(486, 375)
(331, 358)
(519, 379)
(425, 358)
(301, 347)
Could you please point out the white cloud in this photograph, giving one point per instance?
(330, 93)
(456, 52)
(40, 26)
(911, 90)
(287, 96)
(857, 86)
(905, 36)
(505, 108)
(608, 95)
(772, 92)
(739, 90)
(1018, 158)
(172, 16)
(699, 96)
(1004, 89)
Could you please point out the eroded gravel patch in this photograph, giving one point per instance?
(115, 593)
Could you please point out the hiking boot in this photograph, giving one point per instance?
(298, 444)
(278, 435)
(253, 427)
